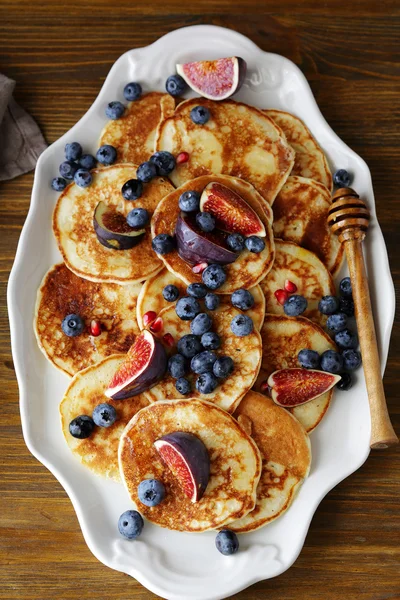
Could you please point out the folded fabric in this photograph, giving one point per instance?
(21, 141)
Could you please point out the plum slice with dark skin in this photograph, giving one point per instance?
(293, 387)
(112, 230)
(214, 79)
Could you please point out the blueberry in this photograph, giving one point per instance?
(187, 308)
(331, 361)
(223, 367)
(205, 221)
(83, 178)
(115, 110)
(189, 201)
(68, 169)
(328, 305)
(73, 151)
(345, 287)
(197, 290)
(206, 383)
(214, 276)
(212, 301)
(201, 324)
(346, 339)
(242, 325)
(200, 115)
(337, 322)
(189, 345)
(235, 242)
(146, 172)
(87, 161)
(346, 304)
(177, 366)
(137, 218)
(132, 91)
(175, 85)
(72, 325)
(164, 162)
(81, 427)
(308, 359)
(130, 524)
(341, 178)
(151, 492)
(227, 542)
(183, 386)
(104, 415)
(132, 189)
(203, 362)
(170, 293)
(254, 244)
(242, 299)
(210, 340)
(106, 155)
(58, 184)
(345, 383)
(163, 243)
(351, 359)
(295, 305)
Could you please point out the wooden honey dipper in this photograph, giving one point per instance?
(349, 218)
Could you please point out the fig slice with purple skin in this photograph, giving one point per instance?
(214, 79)
(187, 458)
(293, 387)
(231, 212)
(144, 366)
(195, 246)
(112, 230)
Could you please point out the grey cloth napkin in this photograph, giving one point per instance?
(21, 141)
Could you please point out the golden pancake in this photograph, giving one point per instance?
(306, 271)
(62, 293)
(76, 237)
(300, 213)
(249, 268)
(245, 352)
(238, 140)
(282, 339)
(310, 161)
(286, 457)
(99, 452)
(134, 134)
(234, 470)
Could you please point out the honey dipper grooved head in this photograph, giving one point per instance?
(348, 216)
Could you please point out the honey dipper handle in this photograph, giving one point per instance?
(382, 432)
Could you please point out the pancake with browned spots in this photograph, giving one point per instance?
(62, 293)
(249, 268)
(99, 452)
(238, 140)
(282, 339)
(300, 213)
(76, 237)
(235, 465)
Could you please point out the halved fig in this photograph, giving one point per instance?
(144, 365)
(196, 246)
(231, 212)
(188, 459)
(214, 79)
(112, 230)
(293, 387)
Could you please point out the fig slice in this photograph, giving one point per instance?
(214, 79)
(144, 365)
(196, 246)
(112, 230)
(231, 212)
(293, 387)
(188, 459)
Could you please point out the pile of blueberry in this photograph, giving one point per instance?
(104, 415)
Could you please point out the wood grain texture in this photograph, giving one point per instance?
(60, 54)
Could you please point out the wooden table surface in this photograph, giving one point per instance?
(59, 53)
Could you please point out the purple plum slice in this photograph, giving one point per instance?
(112, 230)
(214, 79)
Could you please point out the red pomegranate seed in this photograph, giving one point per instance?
(168, 339)
(157, 325)
(264, 387)
(95, 328)
(182, 157)
(199, 268)
(149, 317)
(290, 287)
(281, 296)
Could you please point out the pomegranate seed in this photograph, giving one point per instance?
(290, 287)
(199, 268)
(157, 325)
(95, 328)
(264, 387)
(281, 296)
(183, 157)
(168, 339)
(149, 317)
